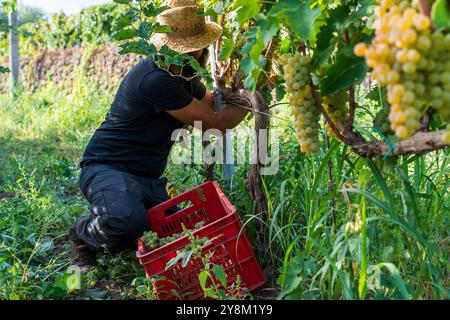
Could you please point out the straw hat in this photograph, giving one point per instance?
(190, 32)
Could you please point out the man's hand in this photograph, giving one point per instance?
(209, 100)
(240, 98)
(237, 106)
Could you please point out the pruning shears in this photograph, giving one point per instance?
(228, 152)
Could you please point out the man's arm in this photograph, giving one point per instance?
(227, 118)
(209, 100)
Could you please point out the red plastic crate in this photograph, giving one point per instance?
(232, 249)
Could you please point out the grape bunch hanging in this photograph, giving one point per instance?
(336, 106)
(411, 60)
(297, 75)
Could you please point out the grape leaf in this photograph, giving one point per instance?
(123, 1)
(347, 70)
(326, 39)
(227, 49)
(440, 14)
(138, 47)
(298, 15)
(125, 34)
(258, 38)
(245, 10)
(125, 20)
(257, 48)
(3, 69)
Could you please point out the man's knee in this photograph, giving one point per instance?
(125, 217)
(117, 220)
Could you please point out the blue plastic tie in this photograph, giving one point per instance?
(391, 146)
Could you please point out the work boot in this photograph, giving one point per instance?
(82, 257)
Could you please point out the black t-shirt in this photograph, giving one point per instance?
(136, 134)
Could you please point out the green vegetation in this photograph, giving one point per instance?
(403, 212)
(28, 14)
(93, 25)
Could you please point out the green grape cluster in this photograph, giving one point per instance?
(297, 75)
(412, 61)
(152, 241)
(381, 121)
(336, 107)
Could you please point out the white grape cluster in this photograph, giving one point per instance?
(412, 61)
(337, 108)
(297, 74)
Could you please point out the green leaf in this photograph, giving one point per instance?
(245, 10)
(299, 16)
(440, 14)
(186, 258)
(280, 90)
(220, 273)
(252, 71)
(202, 278)
(123, 1)
(4, 70)
(227, 49)
(152, 11)
(125, 34)
(291, 278)
(397, 279)
(125, 20)
(257, 48)
(335, 23)
(69, 281)
(144, 31)
(347, 70)
(138, 47)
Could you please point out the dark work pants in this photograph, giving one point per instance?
(119, 204)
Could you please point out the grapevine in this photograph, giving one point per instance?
(410, 59)
(297, 74)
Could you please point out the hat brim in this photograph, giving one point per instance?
(189, 44)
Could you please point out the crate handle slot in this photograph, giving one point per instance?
(159, 212)
(178, 207)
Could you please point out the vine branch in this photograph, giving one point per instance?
(424, 7)
(419, 144)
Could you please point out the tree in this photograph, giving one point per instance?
(30, 14)
(27, 14)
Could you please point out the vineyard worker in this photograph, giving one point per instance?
(126, 157)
